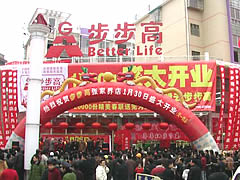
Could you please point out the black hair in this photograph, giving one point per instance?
(10, 164)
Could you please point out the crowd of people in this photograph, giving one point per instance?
(74, 161)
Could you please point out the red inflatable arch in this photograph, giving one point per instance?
(173, 111)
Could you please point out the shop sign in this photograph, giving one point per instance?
(151, 32)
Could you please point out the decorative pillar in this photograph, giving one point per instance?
(39, 31)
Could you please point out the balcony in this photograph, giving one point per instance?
(196, 4)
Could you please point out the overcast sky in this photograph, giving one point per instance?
(15, 15)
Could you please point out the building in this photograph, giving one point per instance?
(3, 61)
(197, 30)
(192, 29)
(234, 6)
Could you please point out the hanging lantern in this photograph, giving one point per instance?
(48, 125)
(63, 125)
(163, 125)
(80, 125)
(129, 125)
(112, 126)
(96, 125)
(146, 126)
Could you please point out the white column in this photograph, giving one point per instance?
(37, 46)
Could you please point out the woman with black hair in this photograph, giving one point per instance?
(37, 168)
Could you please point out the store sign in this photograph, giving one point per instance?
(151, 32)
(196, 81)
(78, 138)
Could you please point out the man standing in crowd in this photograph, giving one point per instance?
(51, 173)
(195, 171)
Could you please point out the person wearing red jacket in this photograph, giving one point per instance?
(139, 168)
(51, 173)
(10, 173)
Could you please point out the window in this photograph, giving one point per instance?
(52, 22)
(156, 15)
(196, 55)
(236, 55)
(196, 4)
(195, 30)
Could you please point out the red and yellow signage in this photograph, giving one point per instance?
(196, 81)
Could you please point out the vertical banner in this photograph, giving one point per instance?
(220, 130)
(231, 110)
(6, 125)
(12, 99)
(237, 112)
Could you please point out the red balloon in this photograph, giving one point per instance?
(63, 125)
(129, 125)
(163, 125)
(48, 125)
(80, 125)
(96, 125)
(112, 126)
(146, 126)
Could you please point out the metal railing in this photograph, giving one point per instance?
(128, 59)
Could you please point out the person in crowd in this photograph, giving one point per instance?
(203, 165)
(68, 174)
(139, 168)
(52, 172)
(180, 168)
(87, 165)
(90, 145)
(102, 171)
(82, 146)
(186, 171)
(3, 163)
(9, 173)
(168, 173)
(218, 176)
(37, 168)
(195, 170)
(131, 165)
(44, 158)
(79, 174)
(158, 170)
(19, 163)
(119, 169)
(149, 165)
(229, 165)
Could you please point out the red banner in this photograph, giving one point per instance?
(5, 112)
(220, 129)
(237, 112)
(126, 137)
(12, 99)
(231, 110)
(196, 81)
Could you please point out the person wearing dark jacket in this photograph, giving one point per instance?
(168, 174)
(119, 170)
(218, 176)
(195, 171)
(51, 173)
(19, 164)
(79, 173)
(131, 165)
